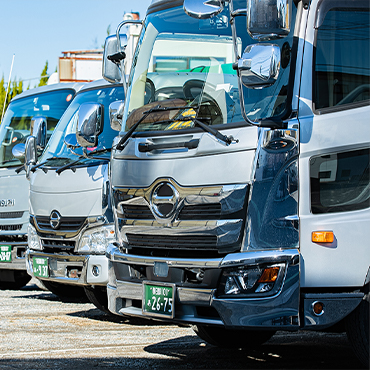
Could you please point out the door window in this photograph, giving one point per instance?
(342, 67)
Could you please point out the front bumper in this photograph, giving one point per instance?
(72, 269)
(200, 304)
(18, 261)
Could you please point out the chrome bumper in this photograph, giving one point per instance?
(194, 305)
(60, 267)
(18, 260)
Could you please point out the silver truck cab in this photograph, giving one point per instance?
(50, 103)
(71, 220)
(247, 205)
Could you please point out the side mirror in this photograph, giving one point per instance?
(111, 71)
(268, 19)
(39, 131)
(259, 65)
(115, 114)
(203, 9)
(71, 141)
(30, 154)
(89, 124)
(19, 151)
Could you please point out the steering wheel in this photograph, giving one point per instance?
(208, 109)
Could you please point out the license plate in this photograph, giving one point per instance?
(40, 267)
(5, 253)
(158, 299)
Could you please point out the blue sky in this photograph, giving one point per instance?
(37, 31)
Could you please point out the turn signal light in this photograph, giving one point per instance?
(269, 275)
(322, 237)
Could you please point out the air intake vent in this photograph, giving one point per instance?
(10, 227)
(11, 214)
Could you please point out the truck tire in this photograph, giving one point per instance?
(65, 290)
(98, 296)
(231, 338)
(13, 279)
(357, 329)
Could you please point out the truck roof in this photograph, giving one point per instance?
(47, 88)
(97, 83)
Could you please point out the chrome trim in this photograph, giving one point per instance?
(115, 255)
(231, 260)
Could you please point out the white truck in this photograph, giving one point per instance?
(71, 219)
(241, 190)
(46, 103)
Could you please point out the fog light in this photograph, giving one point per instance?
(73, 274)
(318, 308)
(95, 270)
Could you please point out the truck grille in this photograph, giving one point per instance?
(71, 224)
(11, 214)
(10, 227)
(170, 245)
(51, 245)
(188, 212)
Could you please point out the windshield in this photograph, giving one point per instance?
(184, 66)
(183, 62)
(15, 126)
(56, 152)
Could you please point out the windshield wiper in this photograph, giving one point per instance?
(217, 134)
(85, 156)
(34, 168)
(122, 143)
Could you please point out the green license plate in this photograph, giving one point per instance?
(158, 299)
(40, 266)
(5, 253)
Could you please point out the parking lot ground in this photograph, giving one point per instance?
(38, 330)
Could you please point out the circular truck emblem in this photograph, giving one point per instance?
(55, 218)
(164, 200)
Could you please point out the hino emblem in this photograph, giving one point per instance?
(7, 202)
(164, 200)
(55, 218)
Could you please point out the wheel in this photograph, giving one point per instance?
(13, 279)
(231, 338)
(357, 329)
(98, 296)
(65, 290)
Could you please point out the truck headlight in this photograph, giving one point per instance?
(33, 239)
(251, 281)
(96, 240)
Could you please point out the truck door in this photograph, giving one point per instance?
(334, 116)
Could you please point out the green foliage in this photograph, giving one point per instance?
(44, 75)
(15, 88)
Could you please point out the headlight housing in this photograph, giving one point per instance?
(33, 239)
(96, 240)
(251, 281)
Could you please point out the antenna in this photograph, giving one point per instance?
(7, 88)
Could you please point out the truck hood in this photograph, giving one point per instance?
(78, 193)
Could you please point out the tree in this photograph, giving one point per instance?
(44, 75)
(15, 88)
